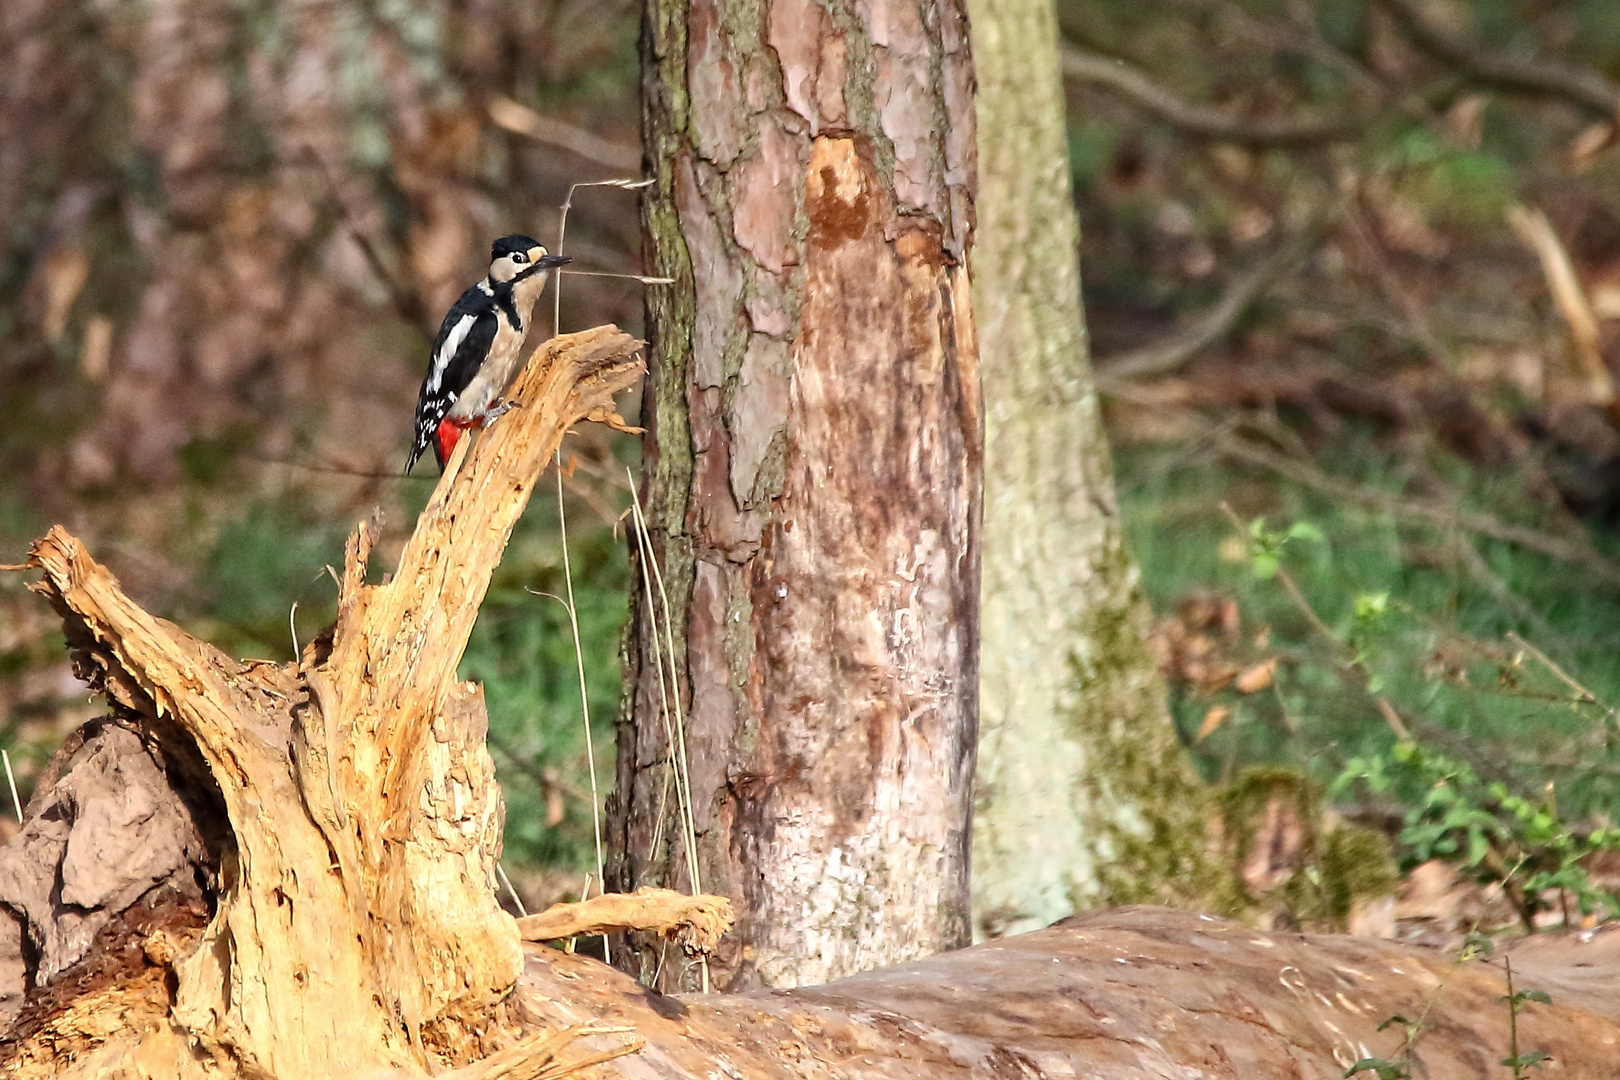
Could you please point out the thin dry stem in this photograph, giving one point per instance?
(674, 719)
(522, 120)
(584, 695)
(689, 818)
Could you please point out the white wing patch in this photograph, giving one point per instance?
(447, 351)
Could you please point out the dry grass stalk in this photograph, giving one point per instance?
(522, 120)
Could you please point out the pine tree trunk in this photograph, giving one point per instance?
(1083, 796)
(813, 483)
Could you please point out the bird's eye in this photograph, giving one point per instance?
(519, 258)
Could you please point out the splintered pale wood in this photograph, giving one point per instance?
(425, 869)
(356, 932)
(695, 923)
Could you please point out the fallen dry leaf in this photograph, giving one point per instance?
(1256, 678)
(1213, 719)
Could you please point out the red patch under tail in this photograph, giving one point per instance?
(445, 439)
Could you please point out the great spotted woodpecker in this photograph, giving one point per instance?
(475, 356)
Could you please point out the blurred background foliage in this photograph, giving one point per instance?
(1351, 267)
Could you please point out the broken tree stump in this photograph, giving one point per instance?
(355, 929)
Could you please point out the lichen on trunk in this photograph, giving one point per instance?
(1084, 794)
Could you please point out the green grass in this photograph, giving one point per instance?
(1440, 651)
(523, 652)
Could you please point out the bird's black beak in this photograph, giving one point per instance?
(548, 262)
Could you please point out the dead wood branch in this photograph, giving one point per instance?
(536, 1058)
(356, 930)
(1538, 235)
(1579, 86)
(695, 923)
(1163, 357)
(1196, 120)
(1574, 551)
(522, 120)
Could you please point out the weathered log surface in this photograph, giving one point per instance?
(1130, 993)
(354, 931)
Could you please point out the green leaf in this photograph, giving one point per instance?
(1536, 995)
(1304, 530)
(1371, 605)
(1386, 1069)
(1265, 566)
(1531, 1060)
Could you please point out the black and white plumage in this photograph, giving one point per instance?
(478, 347)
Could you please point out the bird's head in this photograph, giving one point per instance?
(513, 258)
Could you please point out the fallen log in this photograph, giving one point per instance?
(1127, 994)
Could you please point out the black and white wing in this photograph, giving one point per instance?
(463, 343)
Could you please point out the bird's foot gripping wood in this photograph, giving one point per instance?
(496, 411)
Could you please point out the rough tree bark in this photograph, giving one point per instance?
(813, 469)
(355, 929)
(1083, 797)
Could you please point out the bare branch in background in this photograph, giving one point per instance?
(1537, 233)
(1575, 551)
(522, 120)
(1578, 86)
(1194, 119)
(403, 296)
(1161, 358)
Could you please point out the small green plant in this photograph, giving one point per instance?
(1475, 946)
(1485, 829)
(1453, 814)
(1516, 1001)
(1266, 545)
(1393, 629)
(1397, 1068)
